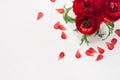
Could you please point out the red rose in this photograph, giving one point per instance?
(97, 8)
(87, 6)
(87, 24)
(83, 6)
(111, 10)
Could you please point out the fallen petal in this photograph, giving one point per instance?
(89, 53)
(92, 50)
(60, 10)
(63, 35)
(117, 31)
(52, 0)
(56, 25)
(61, 27)
(78, 55)
(61, 55)
(100, 50)
(109, 45)
(99, 57)
(40, 15)
(114, 41)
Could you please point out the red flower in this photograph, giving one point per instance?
(111, 10)
(87, 6)
(87, 24)
(83, 6)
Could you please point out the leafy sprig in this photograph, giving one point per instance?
(66, 17)
(69, 19)
(84, 39)
(110, 28)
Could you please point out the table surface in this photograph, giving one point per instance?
(29, 48)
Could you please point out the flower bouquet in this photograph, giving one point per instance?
(90, 14)
(89, 17)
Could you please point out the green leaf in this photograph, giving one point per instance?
(110, 28)
(66, 17)
(84, 39)
(111, 24)
(75, 29)
(98, 33)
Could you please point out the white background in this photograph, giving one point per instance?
(29, 48)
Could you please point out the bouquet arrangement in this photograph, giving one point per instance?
(90, 14)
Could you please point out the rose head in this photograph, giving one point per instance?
(83, 6)
(91, 13)
(111, 10)
(87, 24)
(86, 6)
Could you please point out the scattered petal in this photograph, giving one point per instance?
(100, 50)
(61, 55)
(114, 41)
(110, 45)
(117, 31)
(60, 10)
(52, 0)
(92, 50)
(99, 57)
(63, 35)
(78, 54)
(61, 27)
(40, 15)
(89, 53)
(56, 25)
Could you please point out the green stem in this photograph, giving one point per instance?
(96, 33)
(99, 34)
(110, 31)
(66, 17)
(84, 39)
(75, 29)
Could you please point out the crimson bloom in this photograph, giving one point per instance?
(87, 24)
(111, 10)
(88, 15)
(83, 6)
(86, 6)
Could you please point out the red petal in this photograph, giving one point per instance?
(61, 27)
(110, 45)
(100, 50)
(63, 35)
(60, 10)
(40, 15)
(89, 53)
(56, 25)
(99, 57)
(78, 55)
(61, 55)
(92, 50)
(52, 0)
(114, 41)
(117, 31)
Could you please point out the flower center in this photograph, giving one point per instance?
(86, 24)
(113, 7)
(87, 5)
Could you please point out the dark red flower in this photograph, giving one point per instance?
(111, 10)
(83, 6)
(87, 6)
(87, 24)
